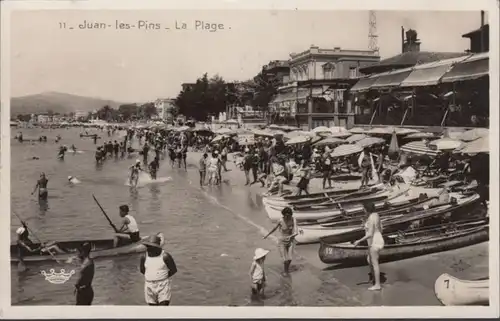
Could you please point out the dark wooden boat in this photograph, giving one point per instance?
(405, 244)
(419, 217)
(100, 248)
(331, 199)
(409, 205)
(347, 200)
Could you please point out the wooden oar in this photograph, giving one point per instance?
(105, 215)
(34, 235)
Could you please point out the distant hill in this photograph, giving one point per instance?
(58, 103)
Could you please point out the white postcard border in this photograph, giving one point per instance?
(6, 311)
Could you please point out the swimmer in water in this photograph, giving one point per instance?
(62, 151)
(41, 185)
(134, 173)
(73, 148)
(73, 180)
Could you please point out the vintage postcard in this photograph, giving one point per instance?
(249, 158)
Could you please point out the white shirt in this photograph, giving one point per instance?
(156, 269)
(132, 225)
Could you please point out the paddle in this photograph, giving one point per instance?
(34, 235)
(105, 215)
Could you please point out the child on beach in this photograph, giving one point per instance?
(257, 272)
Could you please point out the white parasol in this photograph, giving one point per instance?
(345, 150)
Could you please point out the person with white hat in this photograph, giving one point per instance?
(158, 267)
(257, 272)
(27, 247)
(73, 180)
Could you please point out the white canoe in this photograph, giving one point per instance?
(452, 291)
(312, 233)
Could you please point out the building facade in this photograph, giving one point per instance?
(165, 108)
(315, 92)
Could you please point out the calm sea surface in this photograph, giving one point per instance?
(212, 245)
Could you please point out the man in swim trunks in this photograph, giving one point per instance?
(83, 286)
(153, 167)
(129, 231)
(41, 185)
(134, 173)
(289, 230)
(203, 169)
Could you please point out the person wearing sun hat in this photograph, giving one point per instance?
(158, 267)
(257, 272)
(289, 230)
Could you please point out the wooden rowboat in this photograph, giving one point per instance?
(100, 248)
(402, 245)
(452, 291)
(316, 198)
(463, 205)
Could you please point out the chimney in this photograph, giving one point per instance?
(402, 39)
(412, 43)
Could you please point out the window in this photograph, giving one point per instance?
(353, 72)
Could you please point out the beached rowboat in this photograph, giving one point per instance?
(406, 244)
(327, 197)
(452, 291)
(100, 248)
(463, 205)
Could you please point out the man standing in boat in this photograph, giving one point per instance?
(83, 287)
(158, 267)
(129, 231)
(41, 186)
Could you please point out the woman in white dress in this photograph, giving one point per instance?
(373, 236)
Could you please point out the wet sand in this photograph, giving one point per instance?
(407, 282)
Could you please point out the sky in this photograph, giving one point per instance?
(142, 65)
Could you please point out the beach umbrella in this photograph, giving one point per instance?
(357, 130)
(260, 132)
(329, 141)
(452, 133)
(183, 128)
(420, 147)
(474, 134)
(480, 145)
(370, 141)
(420, 135)
(293, 134)
(356, 137)
(298, 140)
(222, 131)
(346, 150)
(340, 134)
(219, 138)
(381, 130)
(232, 122)
(321, 129)
(338, 129)
(274, 126)
(406, 131)
(277, 132)
(445, 144)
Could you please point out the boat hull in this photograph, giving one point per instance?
(451, 291)
(349, 254)
(100, 249)
(390, 226)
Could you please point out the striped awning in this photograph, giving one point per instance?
(364, 84)
(421, 148)
(392, 78)
(429, 74)
(474, 67)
